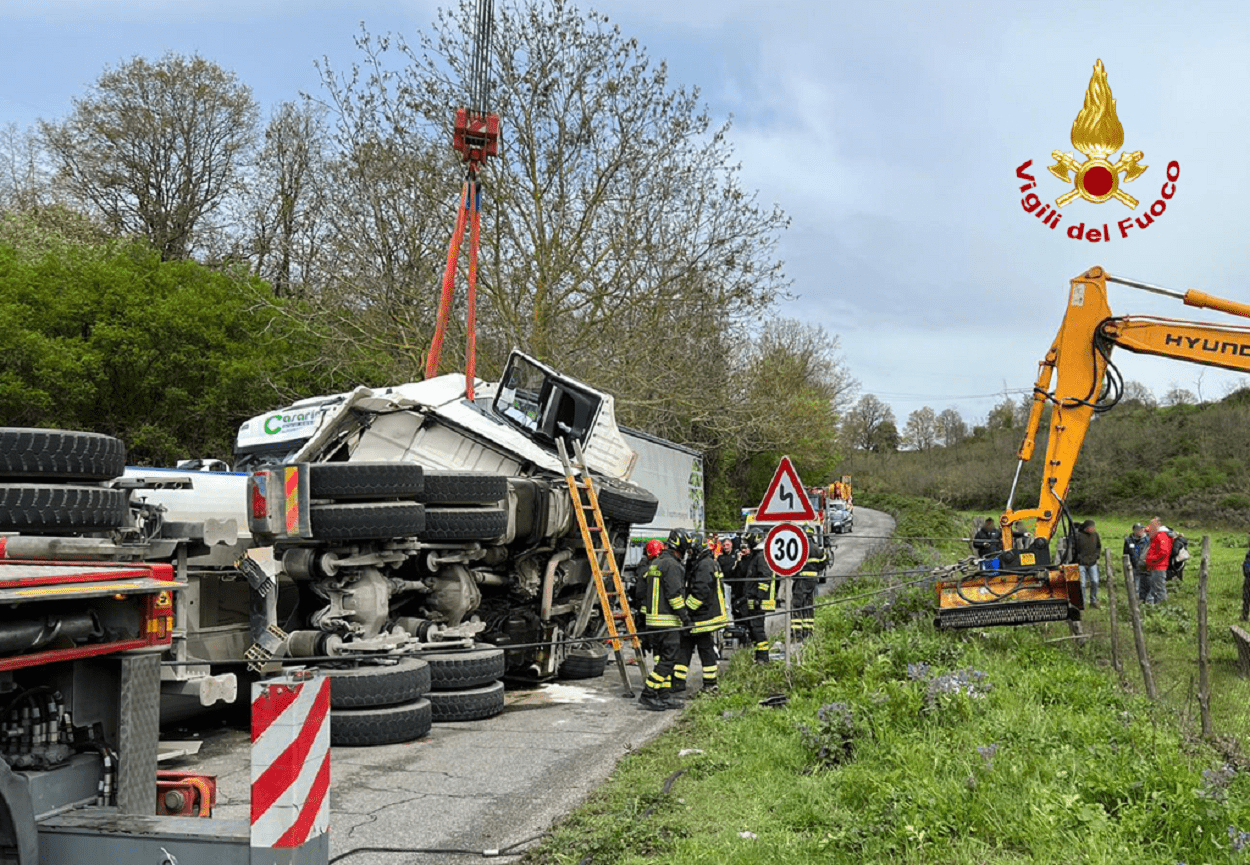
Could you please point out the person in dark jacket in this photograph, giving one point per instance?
(729, 559)
(1088, 549)
(988, 539)
(1135, 544)
(803, 590)
(666, 613)
(705, 599)
(761, 596)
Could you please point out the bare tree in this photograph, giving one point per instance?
(155, 147)
(613, 208)
(24, 177)
(287, 230)
(921, 430)
(1178, 395)
(951, 428)
(1135, 391)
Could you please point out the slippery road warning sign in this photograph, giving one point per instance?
(786, 549)
(785, 500)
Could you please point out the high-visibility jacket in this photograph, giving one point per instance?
(666, 583)
(706, 596)
(761, 583)
(815, 562)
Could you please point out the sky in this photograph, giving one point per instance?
(890, 132)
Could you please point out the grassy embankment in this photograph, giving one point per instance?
(1171, 629)
(902, 744)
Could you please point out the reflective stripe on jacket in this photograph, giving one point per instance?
(707, 597)
(665, 583)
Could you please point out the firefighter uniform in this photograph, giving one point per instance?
(666, 611)
(803, 595)
(705, 599)
(761, 598)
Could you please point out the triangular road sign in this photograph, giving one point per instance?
(786, 500)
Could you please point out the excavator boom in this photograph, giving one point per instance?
(1021, 586)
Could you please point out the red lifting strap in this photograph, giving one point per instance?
(470, 212)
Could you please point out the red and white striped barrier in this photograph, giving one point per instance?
(290, 760)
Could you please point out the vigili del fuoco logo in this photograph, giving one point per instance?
(1098, 135)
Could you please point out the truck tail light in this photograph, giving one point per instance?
(260, 502)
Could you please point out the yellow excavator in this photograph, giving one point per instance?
(1017, 585)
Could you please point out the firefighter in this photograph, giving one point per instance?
(639, 600)
(802, 600)
(761, 595)
(666, 612)
(705, 599)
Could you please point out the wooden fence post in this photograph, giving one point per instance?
(1204, 651)
(1115, 631)
(1139, 638)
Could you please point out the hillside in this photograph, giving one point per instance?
(1184, 462)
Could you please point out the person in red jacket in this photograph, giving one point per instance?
(1157, 555)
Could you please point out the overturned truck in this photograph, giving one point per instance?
(411, 517)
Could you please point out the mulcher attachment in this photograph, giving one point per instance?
(1012, 589)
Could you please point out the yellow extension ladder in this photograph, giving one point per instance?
(613, 602)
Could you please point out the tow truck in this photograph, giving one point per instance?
(81, 647)
(1021, 586)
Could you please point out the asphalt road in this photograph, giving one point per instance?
(485, 784)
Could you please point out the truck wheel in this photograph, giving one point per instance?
(31, 508)
(457, 670)
(60, 454)
(380, 726)
(625, 502)
(367, 686)
(464, 524)
(470, 704)
(366, 521)
(584, 664)
(463, 488)
(369, 480)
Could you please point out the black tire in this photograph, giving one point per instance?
(464, 524)
(367, 521)
(584, 664)
(60, 454)
(470, 704)
(625, 502)
(450, 671)
(463, 488)
(381, 726)
(368, 480)
(34, 508)
(372, 686)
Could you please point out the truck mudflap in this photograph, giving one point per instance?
(986, 598)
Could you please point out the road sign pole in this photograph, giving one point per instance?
(789, 614)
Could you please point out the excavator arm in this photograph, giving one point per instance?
(1076, 379)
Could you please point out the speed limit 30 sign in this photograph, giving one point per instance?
(786, 549)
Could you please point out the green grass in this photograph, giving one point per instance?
(903, 744)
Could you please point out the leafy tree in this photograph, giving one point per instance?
(951, 428)
(1004, 415)
(156, 146)
(870, 425)
(169, 356)
(921, 430)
